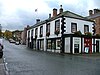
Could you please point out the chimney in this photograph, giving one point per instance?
(96, 11)
(61, 9)
(49, 15)
(54, 12)
(37, 20)
(90, 12)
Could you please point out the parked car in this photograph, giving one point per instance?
(11, 41)
(17, 43)
(1, 48)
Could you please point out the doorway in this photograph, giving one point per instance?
(97, 46)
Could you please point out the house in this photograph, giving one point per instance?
(47, 35)
(24, 35)
(95, 16)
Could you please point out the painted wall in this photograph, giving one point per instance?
(67, 45)
(80, 25)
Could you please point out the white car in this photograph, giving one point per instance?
(17, 42)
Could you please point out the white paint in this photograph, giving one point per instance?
(80, 25)
(67, 45)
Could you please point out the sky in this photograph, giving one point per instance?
(17, 14)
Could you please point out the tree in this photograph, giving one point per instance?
(8, 34)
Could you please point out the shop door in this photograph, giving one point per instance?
(97, 46)
(76, 48)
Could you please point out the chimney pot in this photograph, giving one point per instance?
(49, 15)
(90, 12)
(96, 11)
(54, 12)
(61, 9)
(37, 20)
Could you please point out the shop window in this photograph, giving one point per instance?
(58, 42)
(53, 44)
(49, 44)
(34, 44)
(41, 44)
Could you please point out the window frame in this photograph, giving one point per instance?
(41, 30)
(57, 25)
(75, 24)
(48, 27)
(36, 31)
(86, 29)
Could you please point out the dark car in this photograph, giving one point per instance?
(1, 50)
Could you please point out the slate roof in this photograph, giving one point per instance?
(65, 14)
(94, 16)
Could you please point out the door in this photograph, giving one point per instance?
(97, 46)
(76, 48)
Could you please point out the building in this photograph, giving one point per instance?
(47, 35)
(17, 35)
(95, 16)
(24, 35)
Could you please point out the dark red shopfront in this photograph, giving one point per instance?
(88, 44)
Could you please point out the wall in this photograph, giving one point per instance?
(80, 25)
(67, 45)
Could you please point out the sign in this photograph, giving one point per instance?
(86, 49)
(76, 41)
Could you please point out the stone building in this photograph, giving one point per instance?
(95, 16)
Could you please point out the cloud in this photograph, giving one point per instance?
(16, 14)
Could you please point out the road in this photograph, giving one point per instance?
(24, 61)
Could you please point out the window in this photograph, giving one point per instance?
(41, 30)
(58, 42)
(86, 28)
(57, 25)
(48, 27)
(32, 32)
(41, 44)
(73, 27)
(48, 44)
(36, 31)
(34, 44)
(53, 44)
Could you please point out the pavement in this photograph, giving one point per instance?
(3, 70)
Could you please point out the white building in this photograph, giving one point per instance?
(46, 35)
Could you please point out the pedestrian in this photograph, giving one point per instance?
(1, 50)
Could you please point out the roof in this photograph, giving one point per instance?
(94, 16)
(65, 14)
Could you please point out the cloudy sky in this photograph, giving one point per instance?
(17, 14)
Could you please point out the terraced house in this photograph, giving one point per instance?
(46, 35)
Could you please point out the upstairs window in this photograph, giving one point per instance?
(73, 27)
(48, 27)
(41, 30)
(32, 32)
(36, 31)
(57, 25)
(86, 28)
